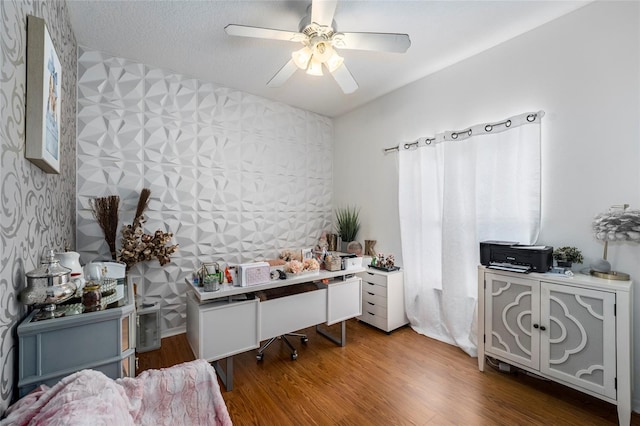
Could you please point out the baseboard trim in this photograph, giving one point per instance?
(174, 331)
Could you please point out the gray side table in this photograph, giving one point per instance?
(52, 349)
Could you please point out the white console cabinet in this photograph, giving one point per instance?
(573, 330)
(383, 299)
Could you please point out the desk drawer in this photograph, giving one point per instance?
(374, 298)
(220, 329)
(368, 287)
(370, 277)
(344, 300)
(375, 320)
(373, 309)
(291, 313)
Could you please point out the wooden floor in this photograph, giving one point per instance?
(378, 379)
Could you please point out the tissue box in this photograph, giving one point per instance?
(352, 262)
(253, 273)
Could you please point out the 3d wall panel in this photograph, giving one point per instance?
(235, 177)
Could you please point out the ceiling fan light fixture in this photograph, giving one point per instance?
(317, 33)
(315, 67)
(334, 61)
(302, 57)
(322, 51)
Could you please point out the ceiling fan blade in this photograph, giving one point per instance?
(345, 80)
(283, 75)
(257, 32)
(322, 11)
(384, 42)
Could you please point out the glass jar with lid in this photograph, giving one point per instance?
(91, 297)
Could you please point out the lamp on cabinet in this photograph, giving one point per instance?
(617, 224)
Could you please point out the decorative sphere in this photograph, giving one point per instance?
(354, 247)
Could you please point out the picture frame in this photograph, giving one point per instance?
(307, 253)
(43, 98)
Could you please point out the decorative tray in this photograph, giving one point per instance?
(108, 285)
(109, 298)
(382, 268)
(71, 309)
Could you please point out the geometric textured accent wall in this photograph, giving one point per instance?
(234, 176)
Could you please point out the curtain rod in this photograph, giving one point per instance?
(530, 117)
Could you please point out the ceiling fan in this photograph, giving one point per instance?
(318, 35)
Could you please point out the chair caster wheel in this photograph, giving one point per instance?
(259, 357)
(304, 339)
(294, 357)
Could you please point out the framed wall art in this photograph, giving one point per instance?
(44, 90)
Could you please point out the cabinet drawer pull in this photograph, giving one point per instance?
(370, 273)
(370, 283)
(370, 293)
(372, 304)
(371, 313)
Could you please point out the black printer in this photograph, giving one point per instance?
(512, 256)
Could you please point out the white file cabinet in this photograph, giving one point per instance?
(383, 299)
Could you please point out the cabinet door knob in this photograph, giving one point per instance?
(543, 328)
(536, 326)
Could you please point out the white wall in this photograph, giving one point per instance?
(583, 70)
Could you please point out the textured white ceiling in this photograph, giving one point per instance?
(188, 37)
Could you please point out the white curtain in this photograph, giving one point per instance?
(460, 189)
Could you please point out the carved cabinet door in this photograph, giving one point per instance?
(578, 345)
(512, 308)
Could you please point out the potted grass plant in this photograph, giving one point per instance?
(347, 225)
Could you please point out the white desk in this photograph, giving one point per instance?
(231, 320)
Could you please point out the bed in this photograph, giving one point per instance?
(186, 394)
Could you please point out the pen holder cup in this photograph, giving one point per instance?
(211, 282)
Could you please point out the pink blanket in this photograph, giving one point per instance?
(186, 394)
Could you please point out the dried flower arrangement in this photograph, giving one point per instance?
(297, 267)
(138, 246)
(289, 255)
(105, 210)
(385, 262)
